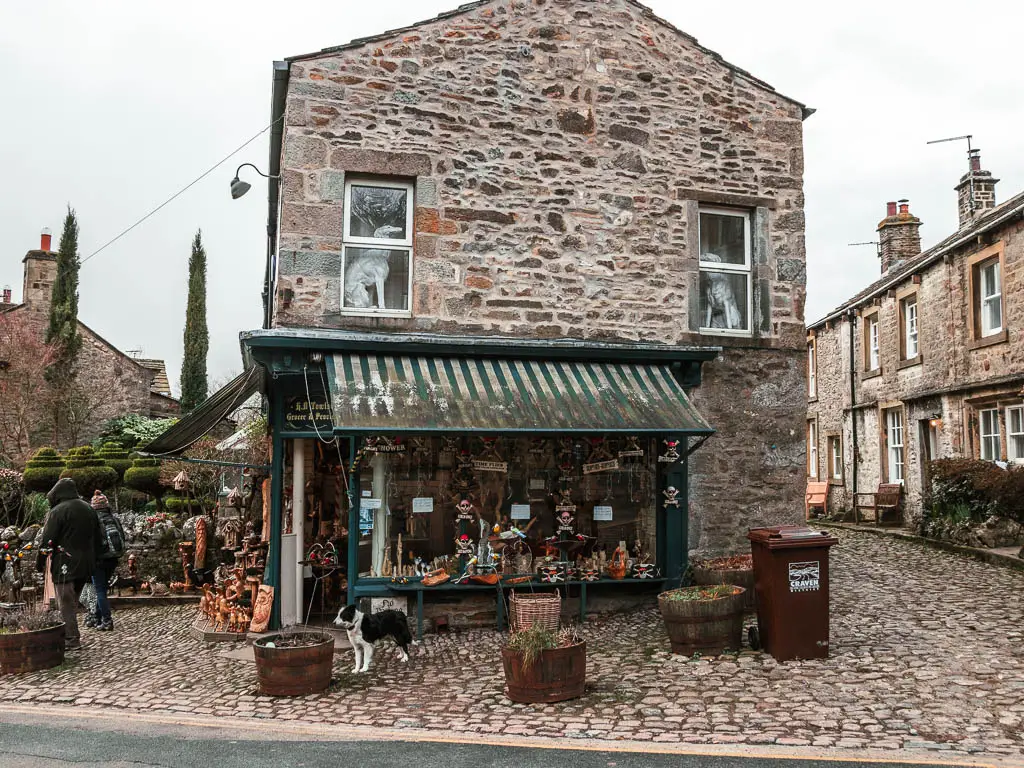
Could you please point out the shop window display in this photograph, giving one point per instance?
(479, 508)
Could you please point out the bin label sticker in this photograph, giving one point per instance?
(805, 576)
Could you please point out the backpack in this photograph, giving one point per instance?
(113, 534)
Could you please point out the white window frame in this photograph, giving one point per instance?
(812, 368)
(895, 436)
(995, 297)
(351, 241)
(987, 436)
(812, 449)
(911, 348)
(874, 358)
(741, 269)
(1011, 412)
(835, 448)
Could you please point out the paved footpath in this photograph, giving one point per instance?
(927, 654)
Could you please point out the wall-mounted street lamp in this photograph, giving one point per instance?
(239, 187)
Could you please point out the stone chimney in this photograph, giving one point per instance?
(5, 295)
(40, 272)
(976, 192)
(899, 237)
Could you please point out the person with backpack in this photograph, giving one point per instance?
(112, 547)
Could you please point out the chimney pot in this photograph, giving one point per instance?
(904, 206)
(6, 294)
(890, 209)
(45, 239)
(975, 159)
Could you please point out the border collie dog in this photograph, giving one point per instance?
(364, 630)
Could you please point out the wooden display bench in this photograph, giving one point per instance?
(385, 588)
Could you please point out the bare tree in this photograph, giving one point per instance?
(26, 402)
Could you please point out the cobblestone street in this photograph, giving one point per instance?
(927, 653)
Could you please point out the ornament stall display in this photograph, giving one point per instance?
(482, 509)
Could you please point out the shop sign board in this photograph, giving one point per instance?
(422, 505)
(369, 504)
(520, 511)
(602, 513)
(490, 466)
(302, 416)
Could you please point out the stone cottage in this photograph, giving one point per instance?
(926, 362)
(524, 259)
(114, 383)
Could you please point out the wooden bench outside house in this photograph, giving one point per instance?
(888, 498)
(816, 496)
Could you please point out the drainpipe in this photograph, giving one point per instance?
(852, 315)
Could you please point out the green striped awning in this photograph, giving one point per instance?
(391, 393)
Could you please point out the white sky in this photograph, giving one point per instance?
(113, 105)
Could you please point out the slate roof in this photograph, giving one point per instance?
(987, 221)
(161, 385)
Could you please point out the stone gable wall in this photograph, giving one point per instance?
(948, 363)
(556, 195)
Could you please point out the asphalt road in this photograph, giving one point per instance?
(48, 746)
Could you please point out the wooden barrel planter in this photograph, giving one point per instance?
(738, 570)
(31, 651)
(557, 674)
(288, 668)
(706, 626)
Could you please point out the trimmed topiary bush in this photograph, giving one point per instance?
(115, 457)
(43, 470)
(88, 471)
(144, 476)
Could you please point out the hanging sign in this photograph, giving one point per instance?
(394, 603)
(537, 484)
(422, 505)
(490, 466)
(369, 504)
(600, 466)
(632, 448)
(520, 511)
(602, 513)
(464, 510)
(671, 455)
(384, 445)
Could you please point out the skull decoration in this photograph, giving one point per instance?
(565, 521)
(671, 454)
(464, 545)
(464, 510)
(671, 497)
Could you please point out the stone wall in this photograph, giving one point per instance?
(560, 154)
(955, 375)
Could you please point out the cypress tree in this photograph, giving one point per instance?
(197, 337)
(63, 327)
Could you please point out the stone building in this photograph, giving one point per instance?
(113, 383)
(935, 350)
(482, 201)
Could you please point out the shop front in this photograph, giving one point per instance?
(436, 470)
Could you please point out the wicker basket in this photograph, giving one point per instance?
(529, 608)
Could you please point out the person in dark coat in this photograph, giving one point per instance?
(73, 531)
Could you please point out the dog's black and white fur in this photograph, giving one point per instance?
(364, 630)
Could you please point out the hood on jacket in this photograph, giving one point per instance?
(64, 490)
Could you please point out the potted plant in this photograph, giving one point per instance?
(294, 664)
(542, 666)
(30, 640)
(703, 619)
(732, 569)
